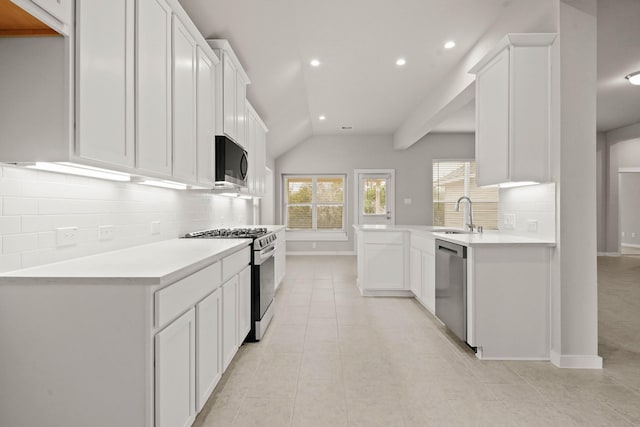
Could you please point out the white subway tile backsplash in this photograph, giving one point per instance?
(10, 262)
(34, 203)
(10, 225)
(536, 203)
(16, 243)
(19, 206)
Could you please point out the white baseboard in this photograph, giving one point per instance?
(576, 361)
(324, 253)
(629, 245)
(608, 253)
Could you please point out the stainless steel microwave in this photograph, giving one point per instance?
(231, 163)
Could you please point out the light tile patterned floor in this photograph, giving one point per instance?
(333, 358)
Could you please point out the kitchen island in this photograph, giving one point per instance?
(134, 337)
(507, 293)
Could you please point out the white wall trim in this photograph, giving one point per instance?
(608, 253)
(322, 253)
(576, 361)
(630, 245)
(629, 170)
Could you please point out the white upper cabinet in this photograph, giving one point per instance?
(231, 84)
(105, 129)
(256, 146)
(184, 103)
(153, 86)
(513, 106)
(57, 14)
(205, 96)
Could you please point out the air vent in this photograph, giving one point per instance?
(343, 127)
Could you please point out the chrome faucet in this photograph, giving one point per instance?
(469, 225)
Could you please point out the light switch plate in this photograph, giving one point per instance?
(106, 232)
(509, 221)
(408, 201)
(66, 236)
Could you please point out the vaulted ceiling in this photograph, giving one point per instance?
(357, 42)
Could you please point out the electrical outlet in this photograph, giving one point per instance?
(633, 234)
(105, 232)
(509, 221)
(408, 201)
(532, 226)
(313, 245)
(623, 234)
(155, 227)
(66, 236)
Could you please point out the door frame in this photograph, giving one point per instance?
(621, 171)
(391, 198)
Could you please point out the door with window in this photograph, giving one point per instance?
(375, 202)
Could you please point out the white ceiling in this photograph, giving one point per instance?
(358, 42)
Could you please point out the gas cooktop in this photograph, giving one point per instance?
(229, 233)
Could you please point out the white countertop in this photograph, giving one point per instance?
(488, 237)
(158, 263)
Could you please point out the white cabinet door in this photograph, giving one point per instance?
(415, 272)
(208, 346)
(244, 304)
(249, 145)
(229, 87)
(241, 110)
(280, 257)
(105, 98)
(184, 103)
(229, 321)
(205, 95)
(175, 373)
(153, 86)
(429, 281)
(492, 121)
(383, 267)
(60, 9)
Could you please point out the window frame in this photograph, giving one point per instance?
(314, 233)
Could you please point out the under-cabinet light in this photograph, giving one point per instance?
(164, 184)
(80, 170)
(517, 184)
(634, 78)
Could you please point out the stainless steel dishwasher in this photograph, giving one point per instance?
(451, 287)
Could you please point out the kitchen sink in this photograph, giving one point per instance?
(454, 231)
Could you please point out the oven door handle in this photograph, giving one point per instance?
(266, 254)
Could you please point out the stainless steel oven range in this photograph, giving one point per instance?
(262, 272)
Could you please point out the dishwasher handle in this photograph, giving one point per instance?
(451, 248)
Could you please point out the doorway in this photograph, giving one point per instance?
(629, 209)
(375, 201)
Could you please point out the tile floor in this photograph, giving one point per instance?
(333, 358)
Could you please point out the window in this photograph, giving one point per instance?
(314, 203)
(453, 179)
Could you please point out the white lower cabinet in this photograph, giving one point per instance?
(244, 304)
(175, 348)
(208, 346)
(280, 257)
(383, 267)
(423, 270)
(229, 321)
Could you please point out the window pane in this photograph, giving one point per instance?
(449, 185)
(375, 196)
(299, 190)
(299, 217)
(329, 190)
(329, 217)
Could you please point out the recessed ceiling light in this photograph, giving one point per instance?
(634, 78)
(322, 117)
(314, 62)
(400, 62)
(450, 44)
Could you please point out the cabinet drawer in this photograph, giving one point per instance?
(234, 263)
(394, 238)
(180, 296)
